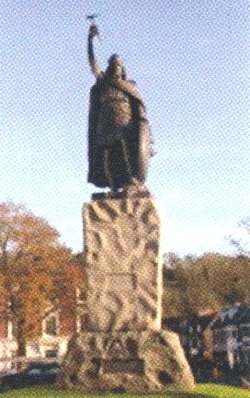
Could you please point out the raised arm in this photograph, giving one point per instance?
(92, 61)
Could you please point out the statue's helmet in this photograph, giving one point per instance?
(115, 67)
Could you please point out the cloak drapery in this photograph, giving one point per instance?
(138, 145)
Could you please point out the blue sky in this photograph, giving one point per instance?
(190, 61)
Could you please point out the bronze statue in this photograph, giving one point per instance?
(119, 135)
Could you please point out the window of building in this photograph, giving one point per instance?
(82, 323)
(220, 337)
(51, 353)
(246, 354)
(51, 326)
(245, 331)
(81, 295)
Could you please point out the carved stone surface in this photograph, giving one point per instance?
(139, 361)
(123, 347)
(122, 238)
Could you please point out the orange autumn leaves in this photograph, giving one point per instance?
(35, 269)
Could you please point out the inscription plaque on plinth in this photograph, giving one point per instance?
(130, 366)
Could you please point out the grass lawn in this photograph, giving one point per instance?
(201, 391)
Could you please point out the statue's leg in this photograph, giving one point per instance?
(106, 169)
(126, 158)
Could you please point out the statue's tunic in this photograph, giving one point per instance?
(115, 117)
(119, 136)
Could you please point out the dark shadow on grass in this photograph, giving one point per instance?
(169, 394)
(188, 395)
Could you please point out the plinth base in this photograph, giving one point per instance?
(134, 361)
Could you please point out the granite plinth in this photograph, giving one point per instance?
(123, 347)
(124, 273)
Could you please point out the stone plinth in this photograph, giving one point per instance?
(123, 347)
(122, 238)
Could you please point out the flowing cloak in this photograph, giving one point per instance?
(138, 144)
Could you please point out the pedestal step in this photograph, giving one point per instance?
(140, 361)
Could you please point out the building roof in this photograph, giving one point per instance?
(233, 316)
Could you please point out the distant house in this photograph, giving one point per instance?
(191, 333)
(52, 343)
(214, 340)
(231, 339)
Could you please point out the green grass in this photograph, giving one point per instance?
(201, 391)
(220, 391)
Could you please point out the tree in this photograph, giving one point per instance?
(243, 248)
(34, 268)
(189, 291)
(208, 282)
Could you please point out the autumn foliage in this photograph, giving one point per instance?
(213, 281)
(35, 270)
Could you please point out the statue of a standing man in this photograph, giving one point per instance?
(119, 135)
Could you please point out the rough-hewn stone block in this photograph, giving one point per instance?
(122, 238)
(139, 361)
